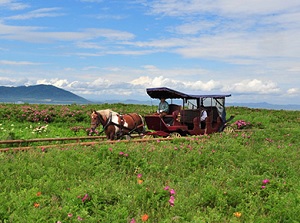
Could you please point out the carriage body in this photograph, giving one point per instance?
(184, 116)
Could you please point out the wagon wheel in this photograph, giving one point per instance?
(127, 137)
(228, 129)
(175, 135)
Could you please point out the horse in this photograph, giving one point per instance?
(115, 125)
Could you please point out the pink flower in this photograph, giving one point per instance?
(70, 215)
(139, 175)
(166, 188)
(121, 153)
(265, 181)
(79, 218)
(86, 196)
(172, 200)
(172, 191)
(263, 187)
(132, 220)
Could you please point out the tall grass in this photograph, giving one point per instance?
(247, 176)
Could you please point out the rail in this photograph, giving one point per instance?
(78, 139)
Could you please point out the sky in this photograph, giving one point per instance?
(115, 49)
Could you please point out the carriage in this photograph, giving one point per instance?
(184, 114)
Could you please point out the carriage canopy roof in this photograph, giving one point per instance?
(164, 92)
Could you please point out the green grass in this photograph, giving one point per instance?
(216, 178)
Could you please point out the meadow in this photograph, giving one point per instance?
(250, 175)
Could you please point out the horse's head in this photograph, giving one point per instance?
(95, 120)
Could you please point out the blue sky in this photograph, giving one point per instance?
(115, 49)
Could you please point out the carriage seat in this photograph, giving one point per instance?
(173, 107)
(171, 117)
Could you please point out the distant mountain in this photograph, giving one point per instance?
(39, 94)
(265, 105)
(262, 105)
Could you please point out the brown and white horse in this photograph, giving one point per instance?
(115, 125)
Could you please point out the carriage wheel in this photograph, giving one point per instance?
(127, 137)
(228, 129)
(175, 135)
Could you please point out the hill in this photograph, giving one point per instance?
(39, 94)
(261, 105)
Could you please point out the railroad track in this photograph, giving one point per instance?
(44, 143)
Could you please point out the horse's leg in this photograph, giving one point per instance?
(110, 132)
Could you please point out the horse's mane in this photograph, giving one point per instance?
(107, 112)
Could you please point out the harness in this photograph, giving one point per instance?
(121, 125)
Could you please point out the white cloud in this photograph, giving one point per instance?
(293, 91)
(13, 5)
(17, 63)
(234, 7)
(39, 13)
(33, 34)
(253, 86)
(254, 90)
(61, 83)
(11, 82)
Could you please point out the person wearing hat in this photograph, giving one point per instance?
(163, 107)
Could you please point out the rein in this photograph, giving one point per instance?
(99, 116)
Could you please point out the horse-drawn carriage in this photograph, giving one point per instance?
(184, 119)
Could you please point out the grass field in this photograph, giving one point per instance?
(251, 175)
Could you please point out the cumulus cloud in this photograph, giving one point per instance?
(12, 82)
(253, 86)
(61, 83)
(293, 91)
(135, 89)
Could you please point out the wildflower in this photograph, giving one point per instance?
(166, 188)
(139, 175)
(85, 197)
(237, 214)
(36, 205)
(145, 217)
(265, 181)
(263, 187)
(172, 200)
(121, 153)
(132, 220)
(140, 181)
(70, 215)
(172, 191)
(79, 218)
(38, 193)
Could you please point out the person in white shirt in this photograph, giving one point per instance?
(203, 117)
